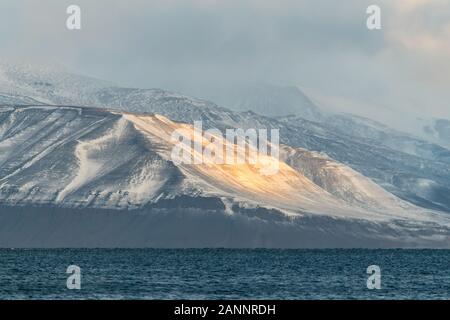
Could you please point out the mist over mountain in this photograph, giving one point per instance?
(267, 100)
(437, 130)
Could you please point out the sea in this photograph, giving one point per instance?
(224, 274)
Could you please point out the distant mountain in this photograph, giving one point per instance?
(290, 102)
(85, 157)
(48, 84)
(270, 100)
(340, 183)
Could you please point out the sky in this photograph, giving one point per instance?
(200, 46)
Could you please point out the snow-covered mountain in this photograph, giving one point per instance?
(102, 175)
(84, 157)
(387, 156)
(98, 159)
(47, 84)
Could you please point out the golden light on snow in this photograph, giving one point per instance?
(287, 188)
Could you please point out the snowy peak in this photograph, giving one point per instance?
(48, 84)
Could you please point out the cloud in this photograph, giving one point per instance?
(199, 46)
(420, 33)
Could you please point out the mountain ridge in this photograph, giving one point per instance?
(112, 154)
(62, 164)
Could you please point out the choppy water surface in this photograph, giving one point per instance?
(224, 274)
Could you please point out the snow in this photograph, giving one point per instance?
(56, 154)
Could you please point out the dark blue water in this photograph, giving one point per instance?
(224, 274)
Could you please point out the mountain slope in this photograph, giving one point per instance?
(98, 158)
(58, 159)
(397, 162)
(103, 175)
